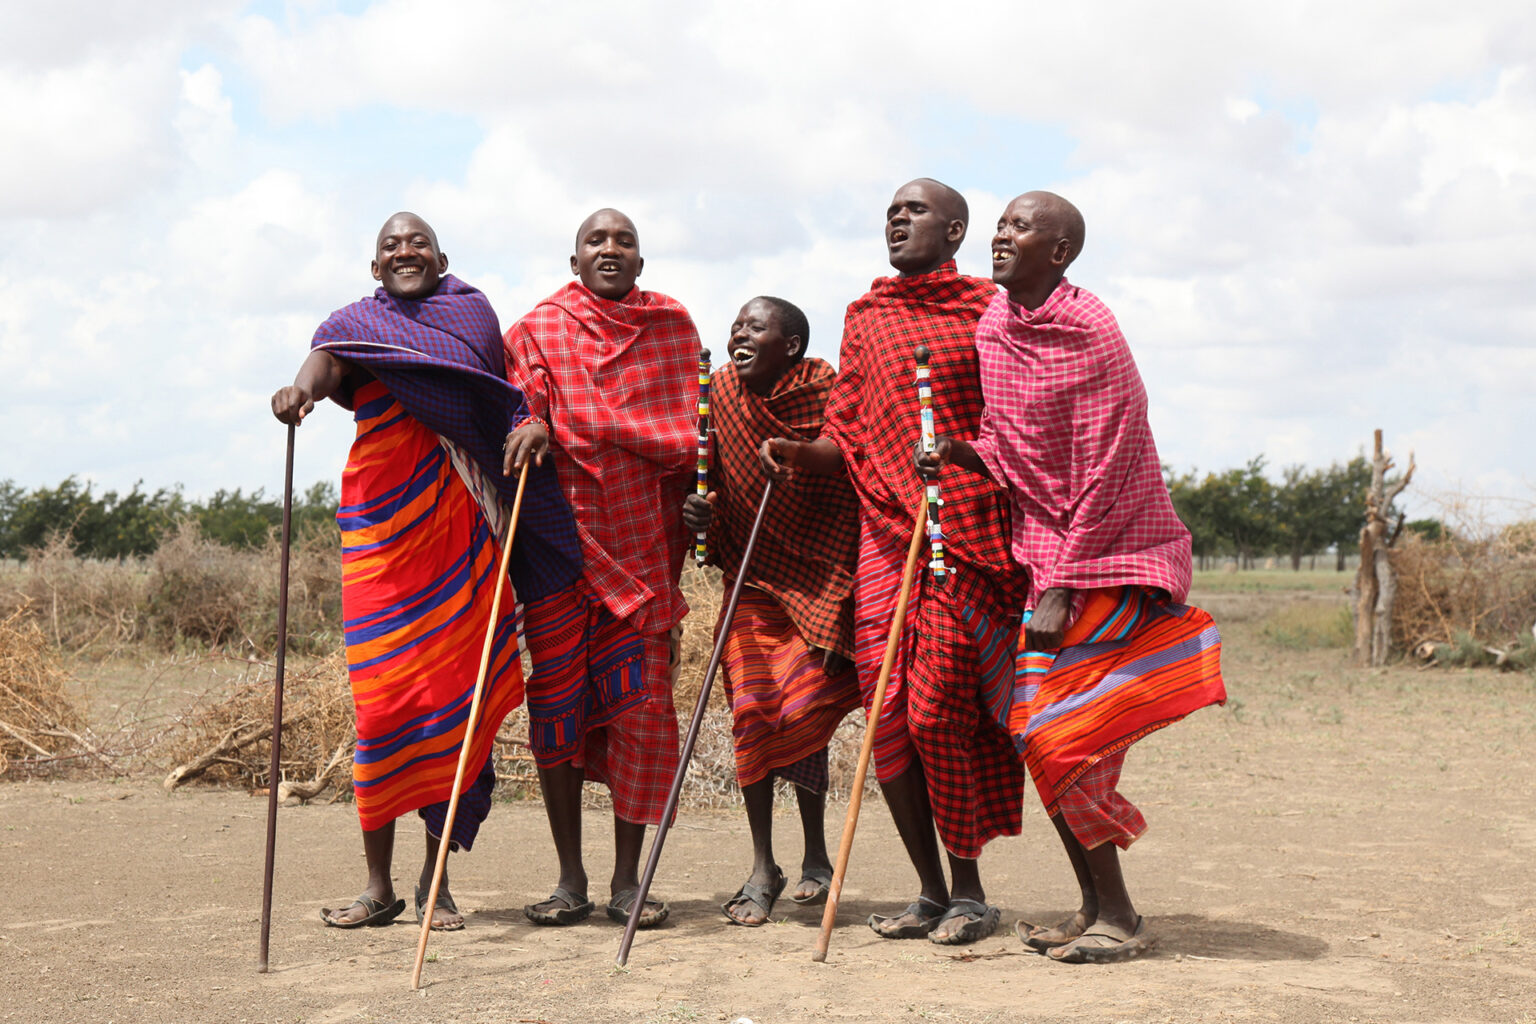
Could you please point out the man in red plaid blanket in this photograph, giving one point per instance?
(940, 760)
(610, 374)
(1109, 652)
(788, 674)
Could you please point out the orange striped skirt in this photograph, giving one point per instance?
(784, 706)
(419, 567)
(1130, 665)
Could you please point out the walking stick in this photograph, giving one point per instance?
(693, 735)
(931, 487)
(277, 710)
(469, 725)
(700, 550)
(856, 797)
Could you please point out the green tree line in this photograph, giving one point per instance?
(118, 525)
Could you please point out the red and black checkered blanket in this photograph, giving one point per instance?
(809, 541)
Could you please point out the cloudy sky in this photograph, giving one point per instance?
(1312, 219)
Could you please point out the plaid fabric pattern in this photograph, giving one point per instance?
(617, 384)
(1066, 427)
(809, 540)
(440, 358)
(1096, 812)
(784, 706)
(933, 705)
(873, 417)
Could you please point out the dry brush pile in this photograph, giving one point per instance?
(1469, 597)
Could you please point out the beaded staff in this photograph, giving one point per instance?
(931, 489)
(700, 549)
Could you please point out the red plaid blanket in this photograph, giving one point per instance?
(617, 382)
(810, 536)
(1066, 427)
(873, 417)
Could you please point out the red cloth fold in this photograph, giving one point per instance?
(1066, 427)
(809, 540)
(617, 382)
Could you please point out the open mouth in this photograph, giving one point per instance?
(608, 267)
(897, 236)
(742, 354)
(408, 270)
(1000, 256)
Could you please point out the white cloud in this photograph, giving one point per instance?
(1311, 219)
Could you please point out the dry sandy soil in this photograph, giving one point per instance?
(1334, 845)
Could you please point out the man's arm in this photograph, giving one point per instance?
(318, 378)
(819, 457)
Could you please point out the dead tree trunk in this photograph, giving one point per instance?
(1375, 587)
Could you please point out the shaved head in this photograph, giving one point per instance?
(951, 203)
(1064, 219)
(405, 221)
(605, 212)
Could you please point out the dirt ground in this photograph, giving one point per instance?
(1333, 845)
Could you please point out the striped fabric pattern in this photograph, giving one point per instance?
(586, 671)
(601, 699)
(784, 707)
(1131, 664)
(418, 579)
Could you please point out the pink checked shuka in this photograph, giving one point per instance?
(1090, 508)
(1066, 427)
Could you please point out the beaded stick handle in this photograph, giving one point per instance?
(700, 549)
(931, 489)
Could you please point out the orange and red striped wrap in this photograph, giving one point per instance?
(419, 565)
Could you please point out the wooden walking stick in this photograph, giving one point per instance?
(277, 710)
(693, 735)
(445, 840)
(856, 797)
(700, 549)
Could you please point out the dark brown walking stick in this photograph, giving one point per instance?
(444, 840)
(277, 709)
(693, 734)
(856, 797)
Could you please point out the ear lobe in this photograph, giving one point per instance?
(956, 232)
(442, 262)
(793, 346)
(574, 268)
(640, 268)
(1062, 254)
(374, 268)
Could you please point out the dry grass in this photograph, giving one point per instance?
(41, 723)
(192, 593)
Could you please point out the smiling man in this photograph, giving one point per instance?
(611, 375)
(420, 364)
(787, 659)
(940, 760)
(1109, 652)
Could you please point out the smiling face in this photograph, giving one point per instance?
(761, 345)
(1038, 237)
(406, 260)
(924, 226)
(607, 255)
